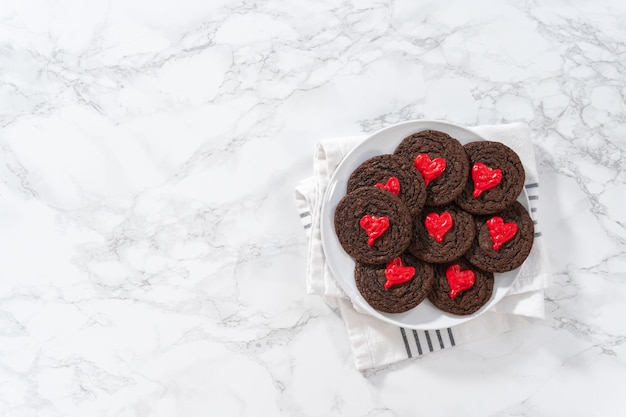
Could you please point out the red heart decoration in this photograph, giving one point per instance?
(392, 185)
(459, 280)
(438, 225)
(484, 178)
(500, 232)
(374, 226)
(397, 273)
(429, 169)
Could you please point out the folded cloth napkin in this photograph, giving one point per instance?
(375, 343)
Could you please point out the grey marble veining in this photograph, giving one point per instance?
(151, 258)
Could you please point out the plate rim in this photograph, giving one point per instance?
(324, 212)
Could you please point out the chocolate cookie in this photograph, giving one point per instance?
(442, 162)
(460, 288)
(442, 234)
(496, 179)
(373, 225)
(397, 286)
(503, 240)
(395, 174)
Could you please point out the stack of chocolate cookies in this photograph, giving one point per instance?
(434, 220)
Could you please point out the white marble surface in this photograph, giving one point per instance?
(151, 261)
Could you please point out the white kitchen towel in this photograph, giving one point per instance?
(375, 343)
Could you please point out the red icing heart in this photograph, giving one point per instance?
(397, 273)
(438, 225)
(392, 185)
(459, 280)
(429, 169)
(374, 226)
(484, 178)
(500, 232)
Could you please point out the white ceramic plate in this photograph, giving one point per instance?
(425, 316)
